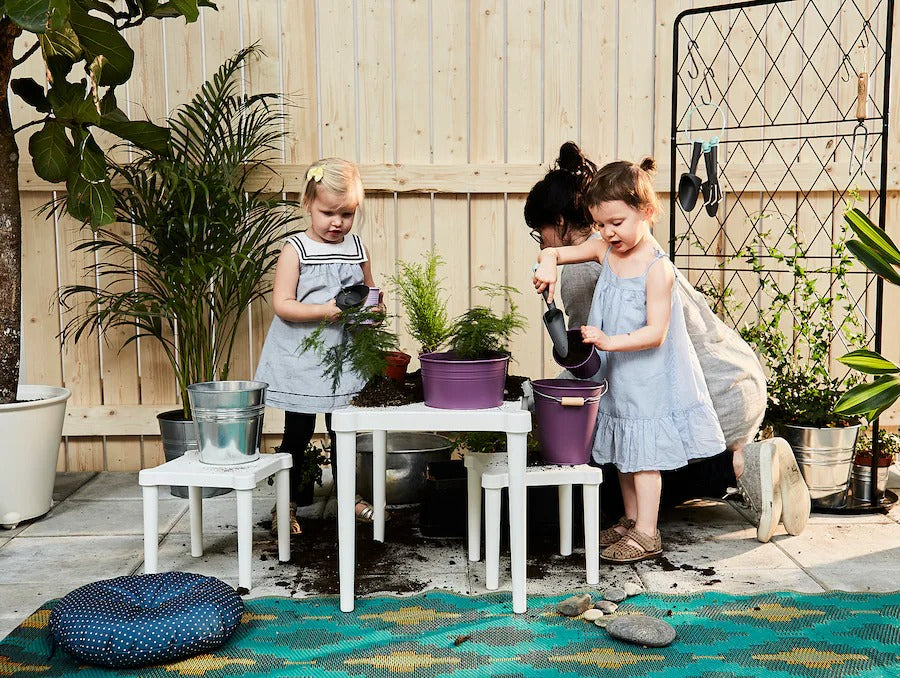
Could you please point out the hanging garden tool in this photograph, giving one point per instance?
(860, 132)
(689, 184)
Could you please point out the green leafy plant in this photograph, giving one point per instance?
(367, 343)
(480, 332)
(419, 290)
(801, 389)
(879, 254)
(888, 447)
(90, 33)
(206, 241)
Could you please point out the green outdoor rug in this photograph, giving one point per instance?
(447, 634)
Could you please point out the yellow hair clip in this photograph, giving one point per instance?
(315, 173)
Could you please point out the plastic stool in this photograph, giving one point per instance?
(487, 471)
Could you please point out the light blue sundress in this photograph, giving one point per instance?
(657, 413)
(295, 377)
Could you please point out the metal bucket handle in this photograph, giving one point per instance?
(572, 401)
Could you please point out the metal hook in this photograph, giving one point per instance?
(692, 45)
(708, 100)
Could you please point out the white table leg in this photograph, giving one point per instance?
(564, 497)
(516, 451)
(379, 491)
(591, 494)
(282, 510)
(473, 500)
(151, 527)
(195, 508)
(346, 493)
(245, 535)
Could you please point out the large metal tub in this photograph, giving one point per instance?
(408, 455)
(824, 456)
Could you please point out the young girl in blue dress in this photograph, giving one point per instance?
(312, 268)
(657, 413)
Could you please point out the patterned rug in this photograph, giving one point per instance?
(447, 634)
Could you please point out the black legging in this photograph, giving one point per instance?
(298, 431)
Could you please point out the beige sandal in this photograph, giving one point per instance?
(295, 524)
(633, 547)
(611, 535)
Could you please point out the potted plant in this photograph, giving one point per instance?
(864, 461)
(88, 33)
(793, 335)
(206, 240)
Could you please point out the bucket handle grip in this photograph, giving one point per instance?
(572, 401)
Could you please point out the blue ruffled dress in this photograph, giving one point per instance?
(657, 414)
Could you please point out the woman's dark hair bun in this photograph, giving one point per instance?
(648, 164)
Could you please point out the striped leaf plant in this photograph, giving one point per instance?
(875, 249)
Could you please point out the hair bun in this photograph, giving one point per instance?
(648, 164)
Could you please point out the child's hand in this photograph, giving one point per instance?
(545, 277)
(595, 336)
(330, 311)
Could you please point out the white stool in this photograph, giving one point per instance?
(488, 471)
(189, 470)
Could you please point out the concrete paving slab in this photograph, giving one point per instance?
(73, 561)
(67, 483)
(736, 581)
(74, 517)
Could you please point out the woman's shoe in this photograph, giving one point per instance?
(633, 547)
(611, 535)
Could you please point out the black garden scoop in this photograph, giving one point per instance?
(556, 327)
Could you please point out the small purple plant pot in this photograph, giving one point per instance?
(566, 411)
(452, 383)
(582, 361)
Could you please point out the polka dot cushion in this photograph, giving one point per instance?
(146, 619)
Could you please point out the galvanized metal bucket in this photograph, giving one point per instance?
(825, 456)
(228, 418)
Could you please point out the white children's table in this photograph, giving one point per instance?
(242, 478)
(509, 418)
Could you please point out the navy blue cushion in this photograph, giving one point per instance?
(146, 619)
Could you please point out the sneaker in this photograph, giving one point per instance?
(795, 500)
(758, 494)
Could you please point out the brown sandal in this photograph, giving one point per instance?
(611, 535)
(624, 551)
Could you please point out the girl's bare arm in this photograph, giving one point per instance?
(284, 293)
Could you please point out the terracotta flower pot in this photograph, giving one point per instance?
(397, 362)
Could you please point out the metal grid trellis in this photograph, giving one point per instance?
(777, 83)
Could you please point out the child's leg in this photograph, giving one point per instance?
(647, 488)
(298, 431)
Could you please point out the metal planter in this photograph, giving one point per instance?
(228, 418)
(825, 457)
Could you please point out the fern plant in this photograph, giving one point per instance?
(206, 241)
(420, 292)
(365, 348)
(480, 332)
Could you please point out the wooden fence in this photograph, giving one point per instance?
(452, 108)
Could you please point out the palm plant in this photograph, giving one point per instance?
(205, 240)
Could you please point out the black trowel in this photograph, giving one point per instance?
(556, 326)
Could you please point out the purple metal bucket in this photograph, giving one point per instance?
(454, 384)
(566, 412)
(583, 361)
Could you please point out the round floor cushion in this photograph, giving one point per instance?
(146, 619)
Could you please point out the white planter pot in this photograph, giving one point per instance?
(29, 446)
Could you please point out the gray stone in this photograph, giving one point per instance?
(574, 606)
(641, 630)
(614, 595)
(606, 606)
(592, 614)
(632, 589)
